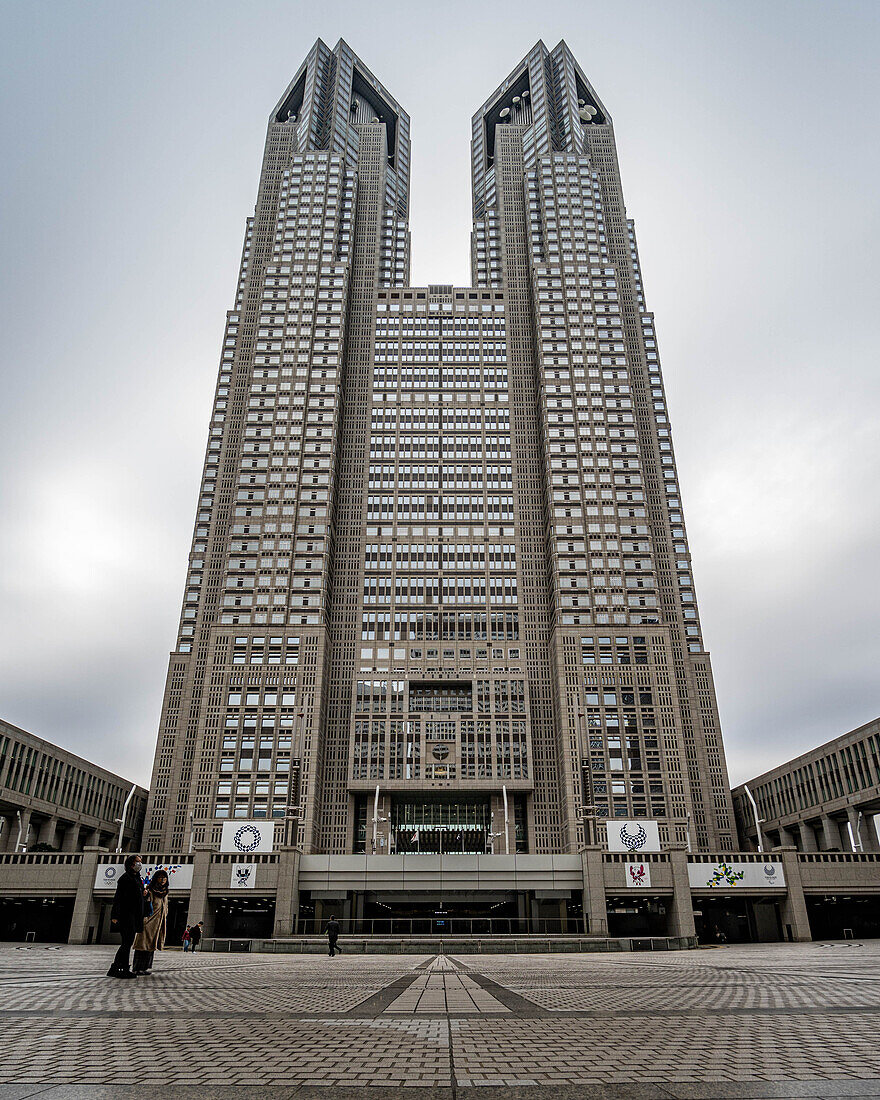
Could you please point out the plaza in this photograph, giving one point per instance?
(761, 1020)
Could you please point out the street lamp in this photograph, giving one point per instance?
(491, 836)
(377, 819)
(855, 837)
(26, 832)
(759, 821)
(120, 821)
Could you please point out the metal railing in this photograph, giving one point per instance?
(449, 926)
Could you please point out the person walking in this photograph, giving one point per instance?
(127, 915)
(333, 936)
(195, 936)
(186, 939)
(151, 938)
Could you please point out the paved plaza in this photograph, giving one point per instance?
(771, 1020)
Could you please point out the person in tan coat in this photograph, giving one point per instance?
(152, 938)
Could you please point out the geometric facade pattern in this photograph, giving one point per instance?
(439, 596)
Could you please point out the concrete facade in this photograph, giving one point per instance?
(826, 800)
(439, 595)
(51, 796)
(589, 897)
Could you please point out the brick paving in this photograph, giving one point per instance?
(757, 1021)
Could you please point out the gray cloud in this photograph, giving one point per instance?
(749, 152)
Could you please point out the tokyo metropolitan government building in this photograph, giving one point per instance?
(439, 597)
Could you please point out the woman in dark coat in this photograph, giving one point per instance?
(127, 915)
(152, 937)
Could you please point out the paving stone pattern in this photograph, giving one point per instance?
(757, 1021)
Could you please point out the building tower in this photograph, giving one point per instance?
(439, 597)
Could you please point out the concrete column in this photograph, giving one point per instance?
(831, 835)
(786, 837)
(681, 914)
(49, 831)
(85, 907)
(199, 909)
(71, 838)
(794, 908)
(808, 837)
(868, 834)
(595, 910)
(287, 893)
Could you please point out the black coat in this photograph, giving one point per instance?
(195, 935)
(128, 904)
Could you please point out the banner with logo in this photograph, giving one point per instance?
(244, 876)
(180, 875)
(733, 875)
(633, 836)
(637, 874)
(247, 837)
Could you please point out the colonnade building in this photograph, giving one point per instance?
(439, 598)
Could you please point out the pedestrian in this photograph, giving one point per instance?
(186, 939)
(195, 936)
(333, 935)
(127, 915)
(151, 938)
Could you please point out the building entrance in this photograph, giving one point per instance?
(441, 825)
(249, 918)
(737, 920)
(839, 917)
(41, 920)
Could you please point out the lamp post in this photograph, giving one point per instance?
(120, 821)
(855, 835)
(491, 836)
(759, 821)
(377, 819)
(20, 829)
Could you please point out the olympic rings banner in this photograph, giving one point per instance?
(633, 836)
(247, 837)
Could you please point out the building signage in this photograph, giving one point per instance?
(638, 874)
(734, 875)
(180, 875)
(247, 837)
(244, 876)
(633, 836)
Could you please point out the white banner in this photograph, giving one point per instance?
(733, 875)
(180, 875)
(244, 876)
(637, 874)
(246, 837)
(633, 836)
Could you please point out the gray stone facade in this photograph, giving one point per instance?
(826, 800)
(592, 897)
(439, 597)
(49, 796)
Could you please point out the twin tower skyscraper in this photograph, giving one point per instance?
(439, 596)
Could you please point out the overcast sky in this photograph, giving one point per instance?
(131, 138)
